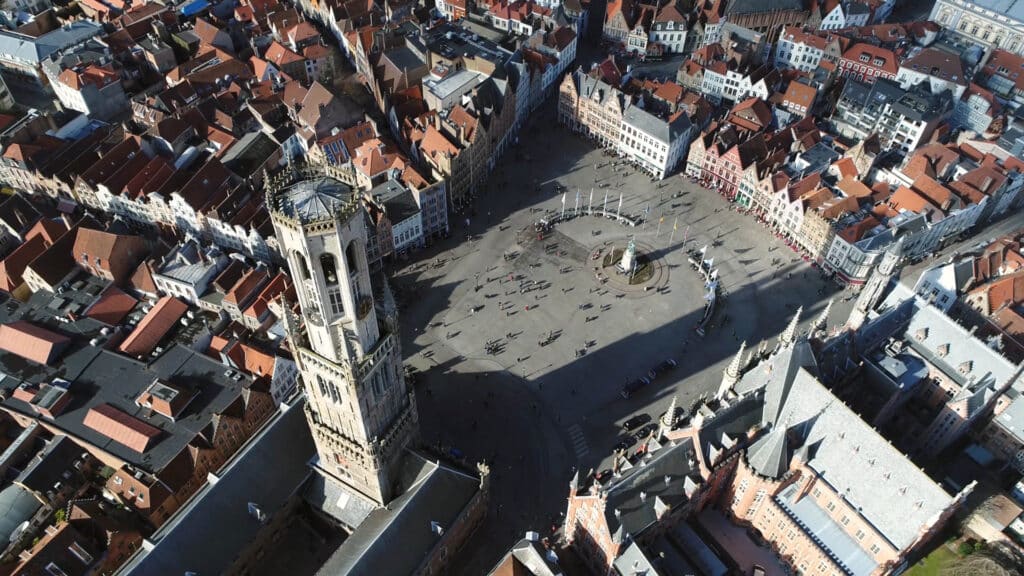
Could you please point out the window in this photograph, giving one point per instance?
(875, 549)
(860, 534)
(118, 480)
(831, 506)
(327, 265)
(845, 520)
(816, 492)
(80, 553)
(55, 570)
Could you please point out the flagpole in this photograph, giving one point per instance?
(686, 234)
(660, 220)
(591, 210)
(576, 206)
(647, 212)
(563, 205)
(675, 226)
(604, 207)
(619, 214)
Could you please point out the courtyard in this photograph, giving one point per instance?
(521, 347)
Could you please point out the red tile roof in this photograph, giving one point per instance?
(244, 288)
(111, 307)
(121, 427)
(31, 342)
(13, 266)
(154, 326)
(281, 55)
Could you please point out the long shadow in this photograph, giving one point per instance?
(519, 425)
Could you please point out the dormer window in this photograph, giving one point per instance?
(921, 334)
(942, 350)
(965, 367)
(864, 57)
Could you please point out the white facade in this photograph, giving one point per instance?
(285, 380)
(649, 147)
(835, 19)
(408, 233)
(797, 53)
(991, 22)
(938, 285)
(713, 84)
(672, 35)
(738, 86)
(153, 209)
(907, 77)
(855, 261)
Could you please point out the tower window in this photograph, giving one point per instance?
(351, 259)
(329, 268)
(303, 267)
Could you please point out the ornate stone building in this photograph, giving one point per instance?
(345, 339)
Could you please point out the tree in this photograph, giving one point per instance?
(60, 516)
(996, 559)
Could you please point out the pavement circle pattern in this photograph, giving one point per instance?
(614, 280)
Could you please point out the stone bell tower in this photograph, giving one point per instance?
(345, 338)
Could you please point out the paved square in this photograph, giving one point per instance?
(491, 391)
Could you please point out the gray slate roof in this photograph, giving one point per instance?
(892, 493)
(396, 539)
(817, 522)
(208, 535)
(32, 49)
(99, 376)
(16, 506)
(315, 199)
(662, 130)
(635, 494)
(48, 466)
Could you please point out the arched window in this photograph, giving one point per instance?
(303, 267)
(329, 268)
(351, 257)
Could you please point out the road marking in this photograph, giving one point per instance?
(579, 441)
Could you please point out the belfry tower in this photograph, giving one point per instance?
(345, 339)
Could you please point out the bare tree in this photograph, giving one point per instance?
(993, 560)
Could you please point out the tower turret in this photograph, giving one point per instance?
(732, 372)
(360, 410)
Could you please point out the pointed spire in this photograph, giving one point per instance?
(822, 322)
(670, 415)
(733, 370)
(789, 336)
(732, 373)
(575, 482)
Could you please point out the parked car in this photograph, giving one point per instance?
(636, 422)
(665, 366)
(630, 388)
(758, 570)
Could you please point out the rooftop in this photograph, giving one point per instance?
(1010, 8)
(434, 494)
(110, 383)
(314, 199)
(222, 519)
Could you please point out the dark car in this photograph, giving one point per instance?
(636, 422)
(625, 443)
(603, 475)
(665, 366)
(630, 388)
(645, 430)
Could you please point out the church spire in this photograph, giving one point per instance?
(789, 336)
(668, 420)
(822, 321)
(732, 372)
(876, 286)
